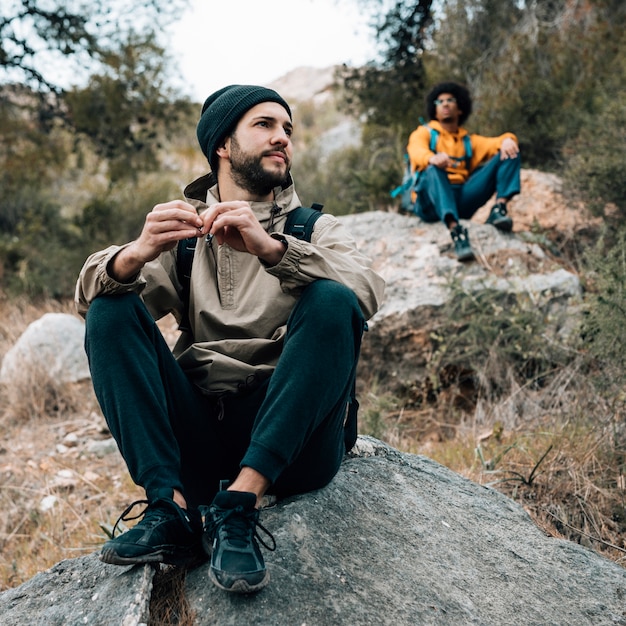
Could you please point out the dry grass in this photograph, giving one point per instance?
(559, 451)
(55, 491)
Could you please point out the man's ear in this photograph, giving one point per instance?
(223, 151)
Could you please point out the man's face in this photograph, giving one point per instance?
(261, 149)
(447, 109)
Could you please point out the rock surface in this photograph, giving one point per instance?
(394, 539)
(422, 274)
(80, 591)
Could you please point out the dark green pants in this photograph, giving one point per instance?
(290, 428)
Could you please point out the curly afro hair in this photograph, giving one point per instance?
(460, 92)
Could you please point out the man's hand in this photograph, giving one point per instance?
(164, 227)
(509, 149)
(441, 160)
(235, 224)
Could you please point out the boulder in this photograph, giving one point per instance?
(422, 274)
(51, 344)
(81, 591)
(394, 539)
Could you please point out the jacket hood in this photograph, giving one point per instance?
(198, 189)
(203, 191)
(462, 131)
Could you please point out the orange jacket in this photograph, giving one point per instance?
(483, 148)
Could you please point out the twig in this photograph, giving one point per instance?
(584, 534)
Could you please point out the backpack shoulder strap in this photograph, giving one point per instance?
(300, 221)
(434, 137)
(184, 260)
(467, 142)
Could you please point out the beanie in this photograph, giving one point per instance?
(223, 109)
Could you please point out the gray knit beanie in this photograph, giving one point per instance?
(223, 109)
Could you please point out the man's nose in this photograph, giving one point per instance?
(281, 137)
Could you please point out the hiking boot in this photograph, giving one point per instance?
(166, 534)
(499, 218)
(462, 246)
(230, 534)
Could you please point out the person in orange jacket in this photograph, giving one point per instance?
(463, 171)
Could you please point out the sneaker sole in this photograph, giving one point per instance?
(466, 257)
(240, 585)
(505, 225)
(160, 556)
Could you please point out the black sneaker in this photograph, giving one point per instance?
(499, 218)
(166, 534)
(462, 246)
(230, 534)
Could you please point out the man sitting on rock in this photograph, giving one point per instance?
(460, 172)
(253, 399)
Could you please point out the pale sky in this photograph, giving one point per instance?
(218, 43)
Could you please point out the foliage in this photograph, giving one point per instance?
(388, 92)
(127, 111)
(603, 330)
(352, 180)
(43, 257)
(29, 161)
(596, 160)
(495, 339)
(37, 36)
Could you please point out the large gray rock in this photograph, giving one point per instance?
(80, 591)
(394, 539)
(422, 274)
(51, 344)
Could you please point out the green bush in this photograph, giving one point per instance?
(603, 332)
(596, 160)
(494, 339)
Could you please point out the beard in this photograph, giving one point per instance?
(249, 174)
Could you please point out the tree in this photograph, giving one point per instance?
(389, 92)
(38, 36)
(127, 110)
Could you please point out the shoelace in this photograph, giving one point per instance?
(155, 514)
(239, 526)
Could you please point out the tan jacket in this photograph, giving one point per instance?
(238, 306)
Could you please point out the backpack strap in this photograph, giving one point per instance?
(434, 137)
(301, 220)
(184, 260)
(468, 149)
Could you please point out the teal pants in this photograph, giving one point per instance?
(290, 428)
(438, 200)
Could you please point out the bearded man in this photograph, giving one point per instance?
(251, 403)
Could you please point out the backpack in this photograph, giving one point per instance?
(299, 224)
(410, 179)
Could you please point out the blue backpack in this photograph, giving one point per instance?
(410, 179)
